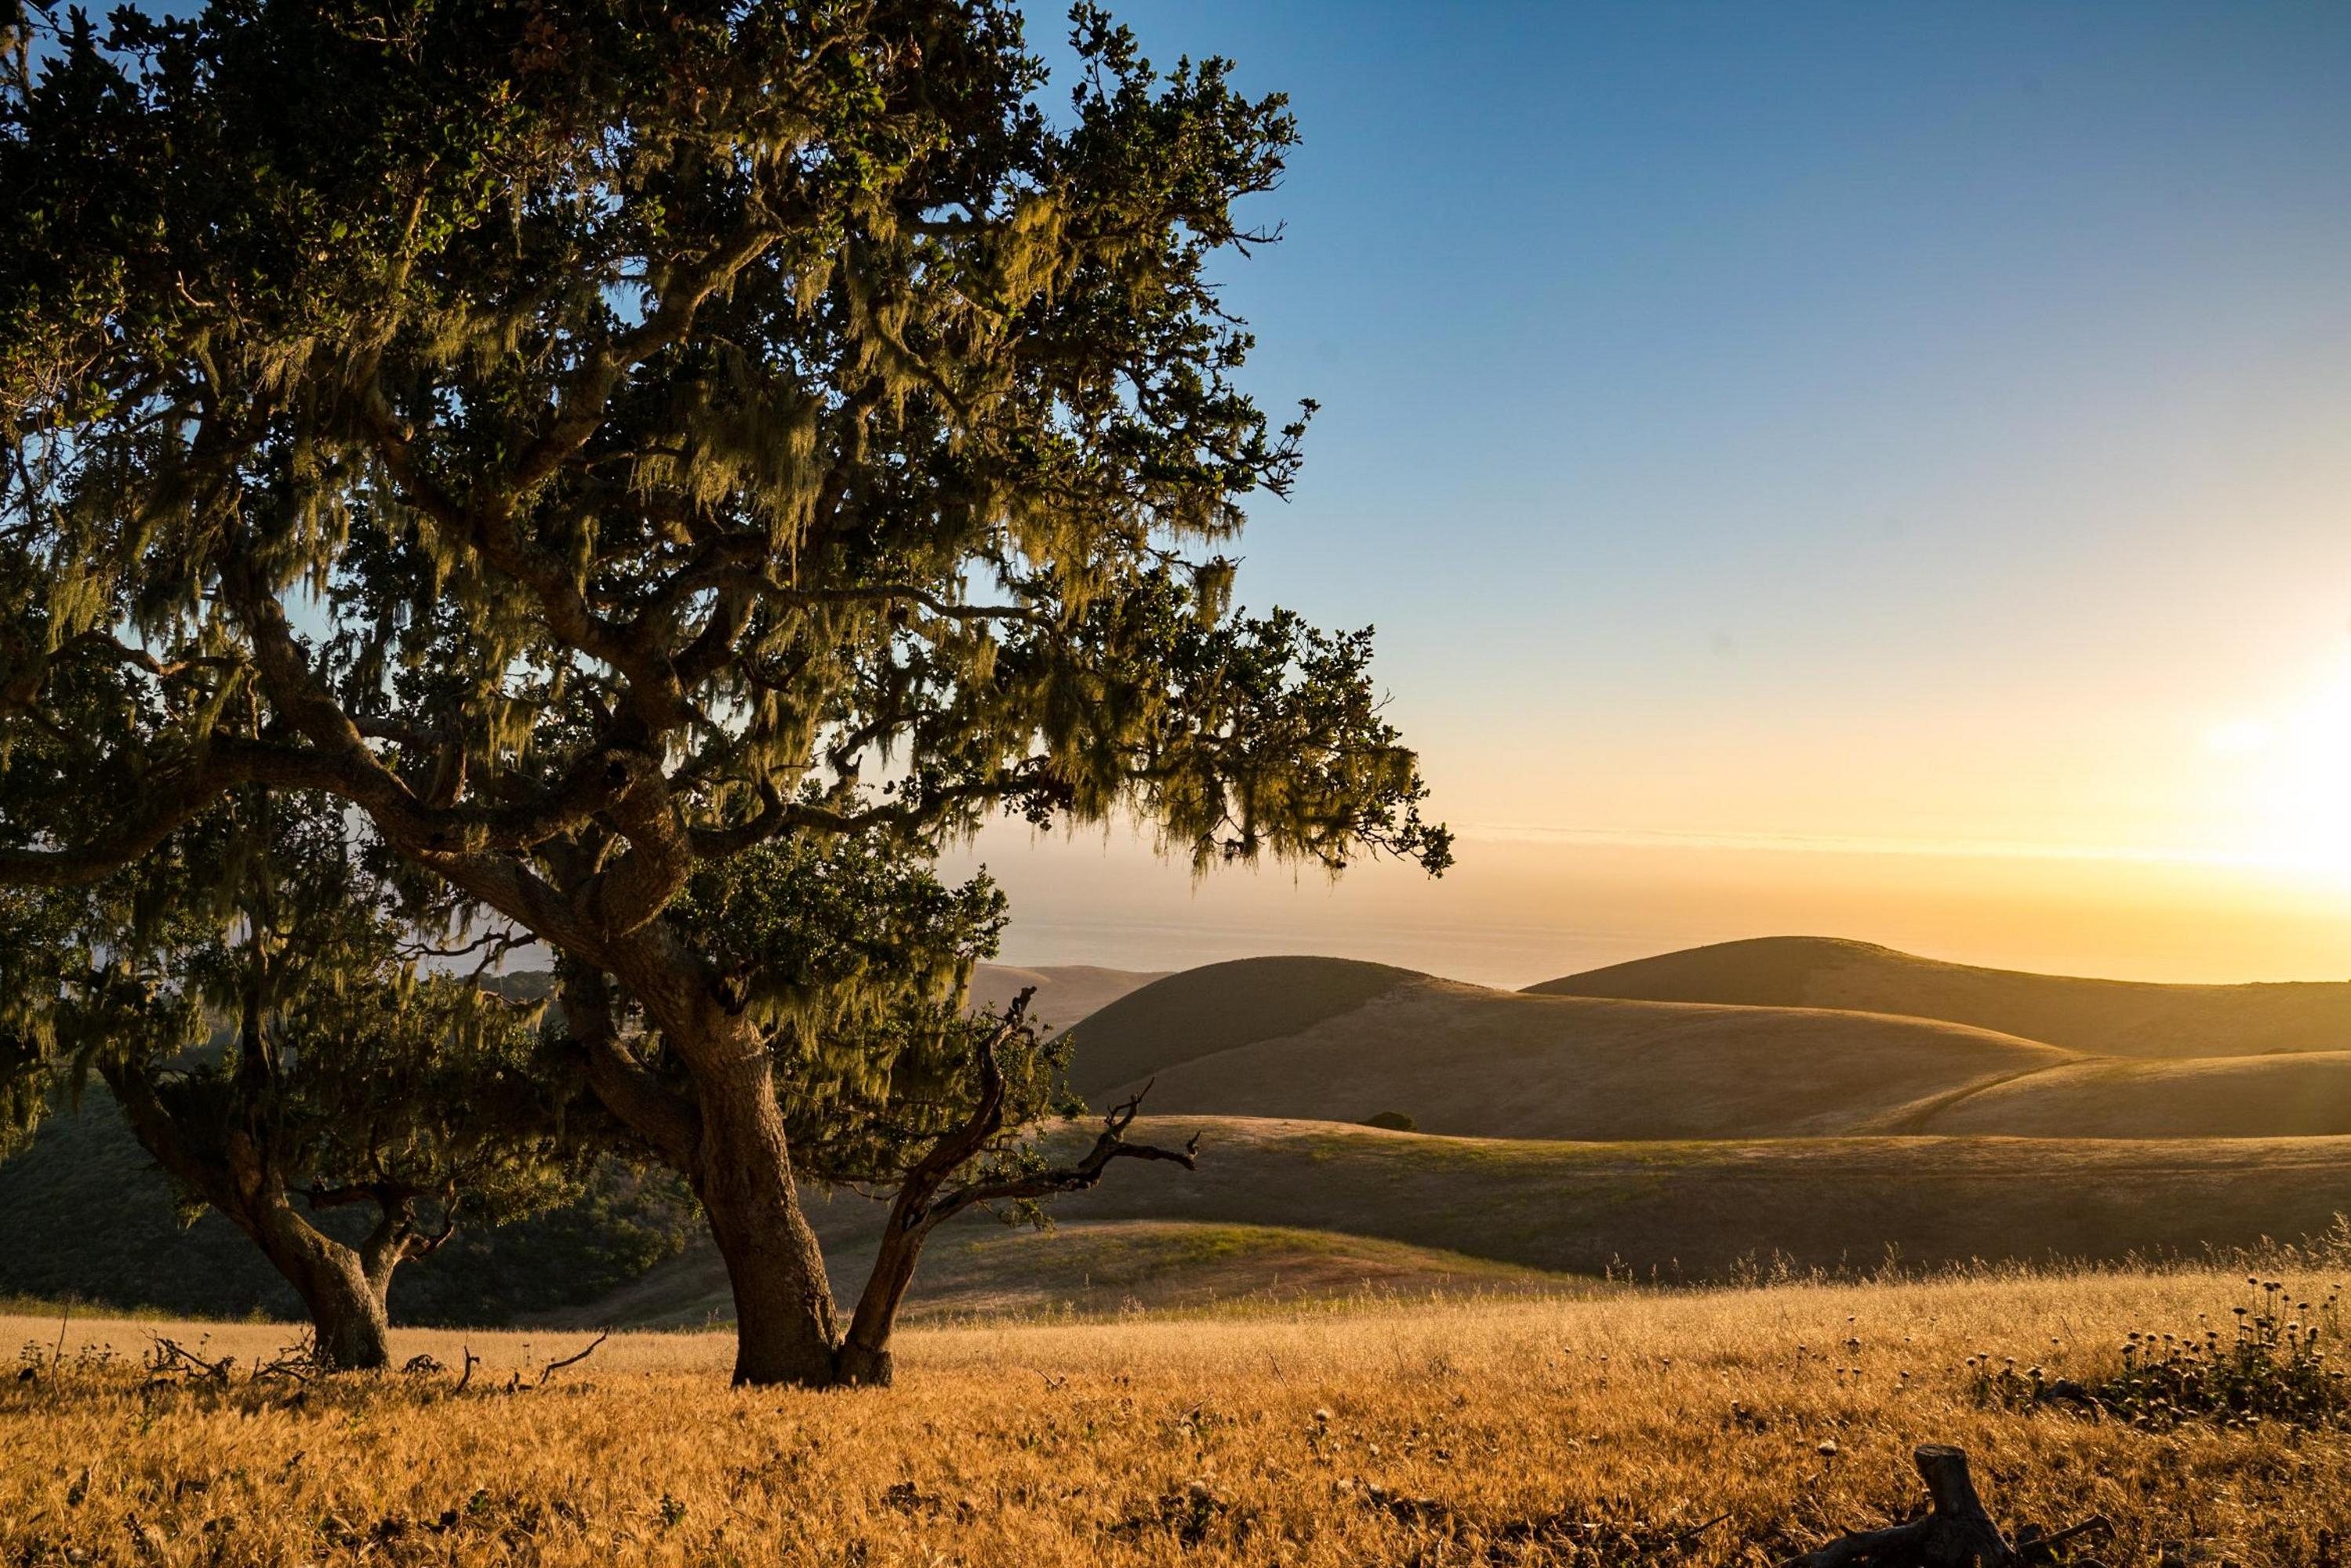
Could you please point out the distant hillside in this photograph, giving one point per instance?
(1687, 1210)
(1065, 992)
(1216, 1008)
(2104, 1018)
(2299, 1094)
(1700, 1205)
(1473, 1062)
(85, 1214)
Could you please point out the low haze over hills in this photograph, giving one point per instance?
(1065, 992)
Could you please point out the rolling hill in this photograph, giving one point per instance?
(2100, 1017)
(1219, 1007)
(2300, 1094)
(1699, 1205)
(1327, 1040)
(1104, 1266)
(1309, 1207)
(1347, 1042)
(1065, 992)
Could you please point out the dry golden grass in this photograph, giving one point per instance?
(1598, 1431)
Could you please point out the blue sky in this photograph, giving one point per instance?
(1875, 469)
(1707, 355)
(1837, 423)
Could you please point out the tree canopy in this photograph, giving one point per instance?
(625, 452)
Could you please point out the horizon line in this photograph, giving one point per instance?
(1863, 844)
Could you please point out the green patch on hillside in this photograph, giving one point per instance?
(982, 1270)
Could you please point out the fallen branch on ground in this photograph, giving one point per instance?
(169, 1361)
(296, 1360)
(552, 1367)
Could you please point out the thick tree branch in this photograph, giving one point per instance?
(663, 1118)
(1110, 1144)
(170, 794)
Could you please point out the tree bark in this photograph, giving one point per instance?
(348, 1316)
(785, 1327)
(864, 1359)
(727, 1140)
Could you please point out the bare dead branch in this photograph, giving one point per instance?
(552, 1367)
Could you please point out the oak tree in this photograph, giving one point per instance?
(251, 996)
(599, 440)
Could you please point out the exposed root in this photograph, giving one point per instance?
(1956, 1532)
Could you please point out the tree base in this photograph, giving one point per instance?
(1957, 1532)
(858, 1367)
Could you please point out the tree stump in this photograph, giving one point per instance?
(1957, 1532)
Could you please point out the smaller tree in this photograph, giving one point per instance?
(987, 1156)
(252, 1000)
(854, 962)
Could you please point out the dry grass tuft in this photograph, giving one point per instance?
(1727, 1427)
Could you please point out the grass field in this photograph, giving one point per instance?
(1707, 1428)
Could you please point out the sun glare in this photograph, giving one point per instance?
(2296, 780)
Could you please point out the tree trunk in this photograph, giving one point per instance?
(239, 1178)
(346, 1307)
(784, 1325)
(865, 1356)
(353, 1329)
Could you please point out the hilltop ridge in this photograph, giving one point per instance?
(2100, 1017)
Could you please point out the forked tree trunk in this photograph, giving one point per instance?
(784, 1325)
(348, 1317)
(924, 1200)
(729, 1139)
(236, 1174)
